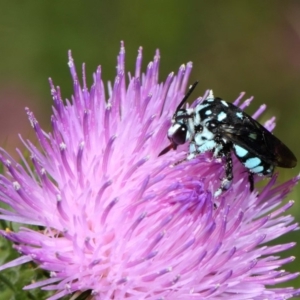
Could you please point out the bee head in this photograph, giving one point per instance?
(178, 133)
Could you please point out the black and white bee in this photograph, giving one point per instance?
(221, 127)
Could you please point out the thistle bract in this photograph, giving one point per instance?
(115, 219)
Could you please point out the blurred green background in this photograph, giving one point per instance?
(251, 46)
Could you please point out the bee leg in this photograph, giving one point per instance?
(179, 162)
(191, 156)
(226, 181)
(251, 181)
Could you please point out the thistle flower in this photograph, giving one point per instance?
(119, 221)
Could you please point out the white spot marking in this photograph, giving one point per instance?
(239, 115)
(224, 103)
(252, 162)
(240, 152)
(208, 112)
(221, 116)
(258, 169)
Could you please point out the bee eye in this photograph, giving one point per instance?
(179, 136)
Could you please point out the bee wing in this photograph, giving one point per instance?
(251, 135)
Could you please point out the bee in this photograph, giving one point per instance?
(222, 128)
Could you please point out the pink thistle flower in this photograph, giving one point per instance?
(119, 221)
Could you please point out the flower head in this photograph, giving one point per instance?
(124, 223)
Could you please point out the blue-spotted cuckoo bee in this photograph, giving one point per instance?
(221, 127)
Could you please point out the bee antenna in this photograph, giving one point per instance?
(186, 96)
